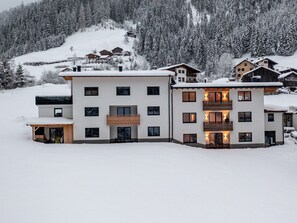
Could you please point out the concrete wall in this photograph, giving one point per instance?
(107, 97)
(46, 111)
(276, 125)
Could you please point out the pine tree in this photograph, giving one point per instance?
(20, 78)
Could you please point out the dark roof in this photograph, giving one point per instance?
(288, 70)
(53, 100)
(266, 58)
(247, 60)
(195, 70)
(117, 49)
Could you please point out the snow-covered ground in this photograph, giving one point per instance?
(138, 182)
(107, 36)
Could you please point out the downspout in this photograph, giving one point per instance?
(169, 115)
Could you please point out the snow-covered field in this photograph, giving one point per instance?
(107, 36)
(141, 183)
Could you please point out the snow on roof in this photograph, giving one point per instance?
(259, 67)
(274, 108)
(286, 74)
(230, 84)
(116, 73)
(49, 121)
(246, 59)
(264, 58)
(177, 65)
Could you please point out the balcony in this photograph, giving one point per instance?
(218, 146)
(218, 126)
(123, 119)
(53, 100)
(220, 105)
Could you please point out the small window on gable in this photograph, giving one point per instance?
(245, 64)
(58, 112)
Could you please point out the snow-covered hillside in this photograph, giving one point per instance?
(106, 36)
(137, 182)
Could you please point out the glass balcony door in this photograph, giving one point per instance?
(123, 111)
(124, 134)
(215, 117)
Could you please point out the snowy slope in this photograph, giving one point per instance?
(106, 36)
(138, 182)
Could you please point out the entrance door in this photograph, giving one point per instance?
(56, 135)
(270, 138)
(124, 134)
(216, 140)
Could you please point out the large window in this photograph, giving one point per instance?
(153, 90)
(91, 111)
(244, 116)
(244, 96)
(215, 117)
(190, 138)
(215, 96)
(123, 110)
(58, 112)
(271, 117)
(154, 131)
(92, 132)
(91, 91)
(189, 96)
(189, 117)
(153, 110)
(123, 91)
(245, 137)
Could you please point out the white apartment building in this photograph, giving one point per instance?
(147, 106)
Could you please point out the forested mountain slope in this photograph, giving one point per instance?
(167, 31)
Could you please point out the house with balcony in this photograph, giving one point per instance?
(147, 106)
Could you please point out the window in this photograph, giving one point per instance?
(183, 71)
(153, 90)
(91, 132)
(189, 117)
(244, 116)
(153, 110)
(123, 111)
(91, 91)
(190, 138)
(215, 117)
(215, 96)
(91, 111)
(265, 61)
(238, 69)
(183, 79)
(189, 96)
(245, 64)
(179, 71)
(244, 96)
(58, 112)
(245, 137)
(242, 69)
(179, 79)
(270, 117)
(122, 91)
(153, 131)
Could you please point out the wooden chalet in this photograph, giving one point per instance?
(289, 79)
(105, 53)
(131, 34)
(92, 58)
(266, 62)
(242, 67)
(288, 70)
(117, 51)
(183, 72)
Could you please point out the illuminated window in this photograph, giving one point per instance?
(189, 118)
(189, 96)
(244, 96)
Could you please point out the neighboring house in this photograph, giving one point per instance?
(290, 117)
(104, 59)
(105, 53)
(265, 62)
(242, 67)
(143, 106)
(184, 73)
(131, 34)
(127, 53)
(118, 51)
(289, 79)
(92, 58)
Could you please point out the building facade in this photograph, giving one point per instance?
(147, 106)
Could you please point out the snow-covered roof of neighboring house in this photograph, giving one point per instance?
(265, 58)
(231, 84)
(274, 108)
(243, 61)
(260, 67)
(286, 74)
(178, 65)
(116, 73)
(104, 56)
(49, 121)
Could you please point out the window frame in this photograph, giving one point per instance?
(150, 90)
(187, 95)
(154, 112)
(185, 114)
(94, 91)
(55, 114)
(92, 136)
(269, 115)
(244, 95)
(245, 117)
(126, 111)
(120, 91)
(194, 139)
(246, 138)
(89, 115)
(155, 131)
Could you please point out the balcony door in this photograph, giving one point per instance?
(216, 140)
(215, 117)
(122, 111)
(215, 97)
(124, 134)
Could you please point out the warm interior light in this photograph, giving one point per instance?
(206, 97)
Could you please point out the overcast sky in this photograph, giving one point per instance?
(7, 4)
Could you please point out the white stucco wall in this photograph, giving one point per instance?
(276, 125)
(107, 97)
(48, 110)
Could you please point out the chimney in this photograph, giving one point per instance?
(78, 68)
(120, 67)
(74, 69)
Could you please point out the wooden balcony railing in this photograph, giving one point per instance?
(213, 105)
(218, 146)
(123, 119)
(218, 126)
